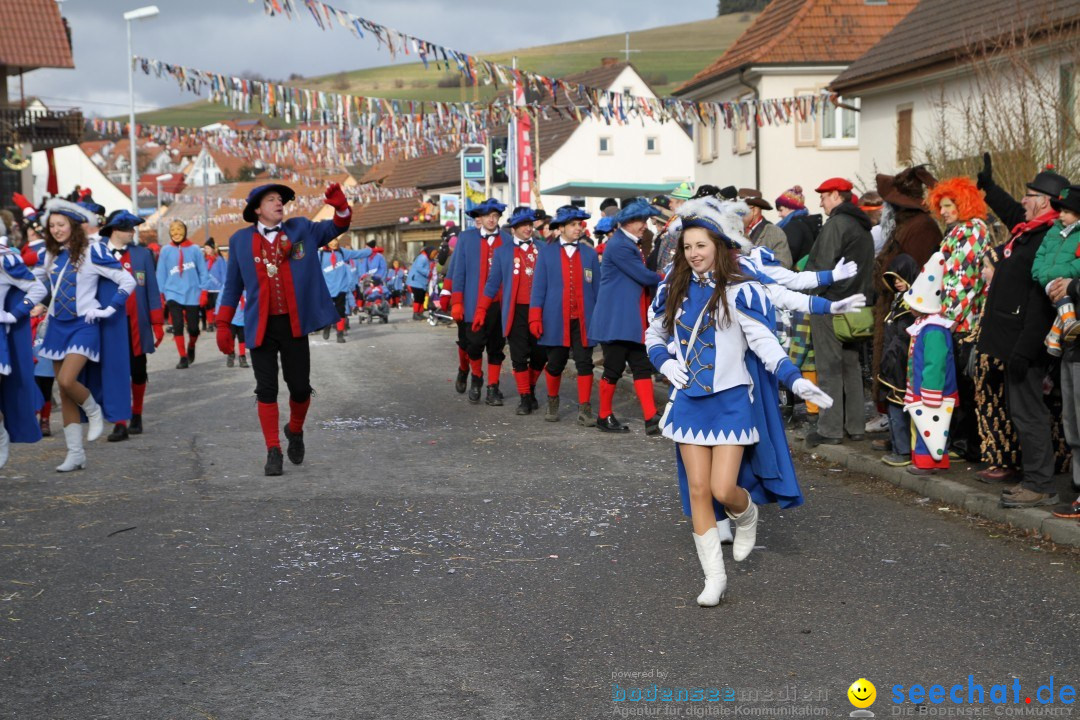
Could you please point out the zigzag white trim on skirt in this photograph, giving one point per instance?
(689, 437)
(73, 350)
(5, 369)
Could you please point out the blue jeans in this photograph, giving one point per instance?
(899, 429)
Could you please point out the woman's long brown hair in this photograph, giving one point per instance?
(76, 245)
(725, 272)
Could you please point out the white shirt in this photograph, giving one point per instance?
(271, 236)
(570, 249)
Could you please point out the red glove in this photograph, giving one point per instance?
(480, 316)
(458, 312)
(336, 199)
(29, 257)
(224, 332)
(536, 322)
(203, 299)
(159, 333)
(444, 302)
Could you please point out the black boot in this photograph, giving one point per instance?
(474, 389)
(230, 360)
(273, 462)
(326, 333)
(611, 424)
(135, 426)
(534, 404)
(494, 397)
(183, 364)
(585, 417)
(119, 432)
(191, 353)
(340, 336)
(296, 445)
(552, 409)
(461, 383)
(525, 407)
(652, 425)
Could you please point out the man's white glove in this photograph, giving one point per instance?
(844, 270)
(95, 314)
(674, 371)
(848, 304)
(809, 391)
(6, 318)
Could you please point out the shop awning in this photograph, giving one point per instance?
(615, 190)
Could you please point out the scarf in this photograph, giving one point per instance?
(1047, 218)
(801, 212)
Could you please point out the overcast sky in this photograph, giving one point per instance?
(234, 36)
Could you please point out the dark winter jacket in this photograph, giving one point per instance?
(801, 232)
(846, 234)
(1017, 314)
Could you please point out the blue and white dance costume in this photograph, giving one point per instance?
(98, 282)
(732, 395)
(20, 398)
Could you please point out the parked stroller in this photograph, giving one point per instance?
(435, 315)
(376, 301)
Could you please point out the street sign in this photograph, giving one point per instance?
(473, 167)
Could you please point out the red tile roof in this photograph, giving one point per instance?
(800, 32)
(385, 213)
(34, 36)
(930, 35)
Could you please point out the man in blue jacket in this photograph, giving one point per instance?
(182, 276)
(339, 282)
(146, 322)
(276, 263)
(472, 259)
(620, 319)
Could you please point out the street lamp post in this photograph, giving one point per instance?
(161, 179)
(141, 13)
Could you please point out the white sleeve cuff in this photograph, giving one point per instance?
(344, 213)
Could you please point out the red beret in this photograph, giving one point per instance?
(838, 184)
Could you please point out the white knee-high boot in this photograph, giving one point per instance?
(745, 530)
(712, 563)
(76, 456)
(5, 445)
(723, 526)
(94, 417)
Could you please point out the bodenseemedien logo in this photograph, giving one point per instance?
(862, 695)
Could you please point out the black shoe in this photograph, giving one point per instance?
(135, 426)
(418, 316)
(340, 336)
(462, 381)
(813, 439)
(191, 353)
(273, 462)
(296, 445)
(474, 389)
(611, 424)
(230, 360)
(652, 425)
(525, 407)
(119, 432)
(534, 403)
(326, 333)
(494, 397)
(243, 361)
(184, 364)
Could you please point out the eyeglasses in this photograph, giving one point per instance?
(1035, 195)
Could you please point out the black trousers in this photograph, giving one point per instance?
(339, 305)
(462, 339)
(418, 295)
(557, 355)
(489, 338)
(295, 362)
(524, 352)
(238, 332)
(1031, 418)
(178, 314)
(138, 363)
(620, 353)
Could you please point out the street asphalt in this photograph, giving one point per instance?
(435, 559)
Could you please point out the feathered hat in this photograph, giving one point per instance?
(721, 217)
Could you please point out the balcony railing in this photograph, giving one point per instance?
(43, 129)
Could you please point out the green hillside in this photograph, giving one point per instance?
(666, 57)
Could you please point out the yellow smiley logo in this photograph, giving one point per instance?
(862, 693)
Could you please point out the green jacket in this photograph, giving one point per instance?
(1056, 257)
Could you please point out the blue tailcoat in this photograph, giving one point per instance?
(548, 291)
(109, 379)
(502, 277)
(465, 270)
(184, 289)
(309, 301)
(622, 300)
(19, 394)
(146, 300)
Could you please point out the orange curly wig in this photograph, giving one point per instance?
(962, 191)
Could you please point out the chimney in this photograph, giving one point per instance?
(608, 61)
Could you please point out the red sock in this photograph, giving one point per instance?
(46, 410)
(554, 382)
(416, 307)
(493, 373)
(241, 349)
(521, 377)
(584, 388)
(477, 367)
(138, 390)
(268, 420)
(297, 413)
(191, 344)
(462, 360)
(644, 391)
(607, 394)
(180, 347)
(341, 325)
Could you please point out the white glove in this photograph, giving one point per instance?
(6, 318)
(844, 270)
(95, 314)
(848, 304)
(673, 370)
(809, 391)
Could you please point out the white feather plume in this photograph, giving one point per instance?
(726, 214)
